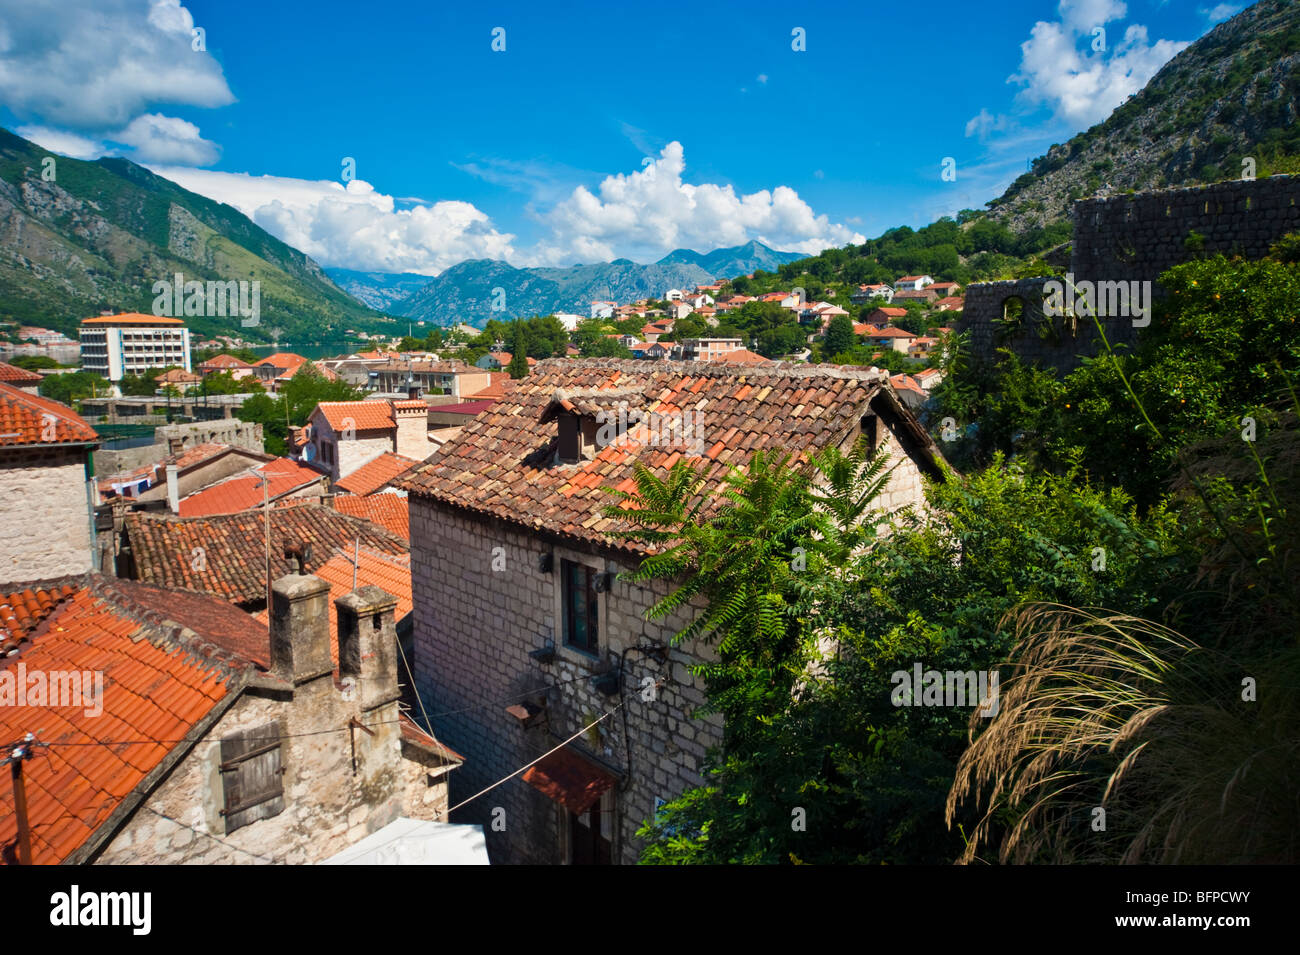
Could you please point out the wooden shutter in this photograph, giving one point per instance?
(252, 776)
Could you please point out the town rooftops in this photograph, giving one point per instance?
(505, 463)
(28, 420)
(225, 556)
(160, 682)
(373, 475)
(743, 356)
(18, 377)
(889, 331)
(131, 318)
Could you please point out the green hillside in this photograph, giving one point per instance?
(99, 234)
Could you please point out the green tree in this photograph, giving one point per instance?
(839, 336)
(70, 387)
(518, 367)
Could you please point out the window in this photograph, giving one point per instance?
(252, 779)
(580, 605)
(589, 836)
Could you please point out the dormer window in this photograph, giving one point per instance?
(589, 422)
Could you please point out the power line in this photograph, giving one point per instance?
(506, 779)
(149, 741)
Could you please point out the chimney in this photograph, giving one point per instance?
(368, 644)
(300, 628)
(173, 490)
(175, 445)
(412, 436)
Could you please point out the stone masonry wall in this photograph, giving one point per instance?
(1134, 238)
(43, 510)
(474, 628)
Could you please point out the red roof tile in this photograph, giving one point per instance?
(357, 415)
(131, 318)
(22, 611)
(373, 475)
(27, 419)
(390, 511)
(243, 491)
(13, 375)
(225, 556)
(159, 681)
(503, 462)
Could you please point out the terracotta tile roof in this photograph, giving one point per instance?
(468, 408)
(357, 415)
(950, 303)
(225, 361)
(905, 383)
(131, 318)
(911, 278)
(390, 511)
(500, 381)
(225, 556)
(891, 311)
(27, 419)
(23, 610)
(178, 376)
(159, 682)
(282, 359)
(889, 331)
(242, 491)
(373, 475)
(504, 358)
(13, 375)
(502, 462)
(743, 356)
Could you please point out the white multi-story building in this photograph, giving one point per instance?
(706, 349)
(118, 345)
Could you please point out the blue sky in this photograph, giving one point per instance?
(601, 130)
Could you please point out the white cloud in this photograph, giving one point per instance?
(98, 64)
(762, 77)
(166, 139)
(644, 214)
(1082, 88)
(353, 225)
(62, 142)
(1224, 11)
(984, 123)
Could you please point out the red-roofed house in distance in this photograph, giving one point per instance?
(951, 303)
(899, 339)
(183, 732)
(237, 367)
(47, 488)
(515, 569)
(274, 370)
(885, 315)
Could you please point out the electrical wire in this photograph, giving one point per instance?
(506, 779)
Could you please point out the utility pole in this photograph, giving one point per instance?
(21, 751)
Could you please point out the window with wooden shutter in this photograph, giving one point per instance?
(252, 776)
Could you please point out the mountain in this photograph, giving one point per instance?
(1230, 96)
(80, 237)
(379, 290)
(465, 292)
(728, 263)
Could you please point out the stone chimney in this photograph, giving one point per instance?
(300, 628)
(368, 645)
(173, 490)
(412, 419)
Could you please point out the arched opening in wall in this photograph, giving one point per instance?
(1012, 318)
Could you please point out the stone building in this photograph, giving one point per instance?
(342, 436)
(526, 639)
(293, 749)
(1118, 243)
(47, 488)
